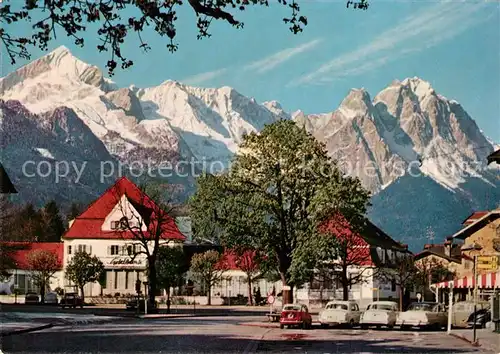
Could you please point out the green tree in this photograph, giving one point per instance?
(280, 188)
(82, 269)
(115, 22)
(42, 265)
(74, 210)
(169, 268)
(53, 222)
(23, 224)
(208, 268)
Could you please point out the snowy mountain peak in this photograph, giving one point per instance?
(356, 103)
(420, 87)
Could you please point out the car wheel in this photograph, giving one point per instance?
(304, 325)
(363, 326)
(391, 326)
(351, 323)
(324, 325)
(282, 326)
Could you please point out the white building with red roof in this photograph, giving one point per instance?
(100, 231)
(20, 276)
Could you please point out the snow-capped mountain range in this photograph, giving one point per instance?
(58, 108)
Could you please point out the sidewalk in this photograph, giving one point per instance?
(486, 338)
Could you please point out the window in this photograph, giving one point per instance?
(113, 250)
(354, 307)
(127, 273)
(390, 255)
(116, 280)
(69, 249)
(115, 225)
(84, 248)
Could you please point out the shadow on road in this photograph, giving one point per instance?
(122, 312)
(145, 340)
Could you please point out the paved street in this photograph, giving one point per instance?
(225, 335)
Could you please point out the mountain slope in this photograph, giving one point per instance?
(419, 153)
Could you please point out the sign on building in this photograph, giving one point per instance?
(487, 262)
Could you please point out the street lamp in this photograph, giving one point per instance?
(474, 247)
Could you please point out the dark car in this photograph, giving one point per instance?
(71, 300)
(134, 303)
(483, 316)
(31, 298)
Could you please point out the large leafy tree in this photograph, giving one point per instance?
(42, 265)
(208, 268)
(281, 187)
(115, 22)
(169, 268)
(53, 222)
(82, 269)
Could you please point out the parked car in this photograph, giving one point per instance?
(380, 313)
(51, 298)
(31, 298)
(340, 313)
(462, 310)
(295, 315)
(134, 303)
(423, 314)
(71, 300)
(483, 316)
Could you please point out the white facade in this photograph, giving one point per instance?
(122, 269)
(370, 289)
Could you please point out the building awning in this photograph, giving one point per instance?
(485, 281)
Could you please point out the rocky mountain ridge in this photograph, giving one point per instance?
(406, 138)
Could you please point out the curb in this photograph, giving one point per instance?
(465, 339)
(27, 330)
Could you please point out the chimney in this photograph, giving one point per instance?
(428, 246)
(447, 249)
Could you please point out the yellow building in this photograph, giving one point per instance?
(481, 230)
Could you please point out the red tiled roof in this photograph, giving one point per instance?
(24, 248)
(233, 261)
(474, 216)
(88, 224)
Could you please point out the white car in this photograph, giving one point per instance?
(423, 314)
(380, 313)
(340, 313)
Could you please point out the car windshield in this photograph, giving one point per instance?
(291, 308)
(336, 307)
(383, 307)
(421, 307)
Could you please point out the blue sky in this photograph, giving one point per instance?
(455, 46)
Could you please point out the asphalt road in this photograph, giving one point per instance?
(225, 335)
